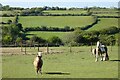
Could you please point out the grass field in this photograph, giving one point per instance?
(65, 12)
(56, 21)
(5, 19)
(78, 64)
(109, 14)
(14, 12)
(5, 12)
(105, 23)
(47, 35)
(104, 10)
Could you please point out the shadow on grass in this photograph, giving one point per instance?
(115, 60)
(29, 34)
(57, 73)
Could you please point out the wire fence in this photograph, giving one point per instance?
(46, 50)
(26, 48)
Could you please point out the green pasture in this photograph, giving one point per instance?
(5, 19)
(107, 14)
(77, 64)
(5, 12)
(104, 10)
(13, 12)
(65, 11)
(105, 23)
(47, 34)
(56, 21)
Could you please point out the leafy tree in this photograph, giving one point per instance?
(19, 40)
(20, 26)
(55, 40)
(111, 39)
(6, 8)
(43, 28)
(13, 31)
(67, 28)
(106, 39)
(33, 38)
(9, 21)
(78, 31)
(40, 40)
(6, 39)
(68, 39)
(15, 21)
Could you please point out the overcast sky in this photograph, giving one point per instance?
(60, 3)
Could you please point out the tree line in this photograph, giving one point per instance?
(81, 37)
(45, 28)
(7, 8)
(39, 11)
(14, 33)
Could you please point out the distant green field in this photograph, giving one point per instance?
(114, 14)
(105, 12)
(65, 11)
(5, 19)
(56, 21)
(105, 23)
(46, 35)
(5, 12)
(10, 12)
(78, 64)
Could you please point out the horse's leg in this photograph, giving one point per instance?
(102, 56)
(96, 59)
(96, 55)
(106, 57)
(40, 70)
(37, 70)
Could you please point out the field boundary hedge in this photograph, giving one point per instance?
(45, 28)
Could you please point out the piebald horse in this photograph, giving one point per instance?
(100, 51)
(38, 62)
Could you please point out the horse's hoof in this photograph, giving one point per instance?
(36, 73)
(96, 61)
(41, 73)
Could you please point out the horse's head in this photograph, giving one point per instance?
(39, 54)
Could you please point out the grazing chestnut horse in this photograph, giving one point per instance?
(100, 50)
(38, 63)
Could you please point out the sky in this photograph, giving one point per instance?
(60, 3)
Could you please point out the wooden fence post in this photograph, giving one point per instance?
(25, 46)
(91, 46)
(47, 48)
(38, 47)
(34, 44)
(21, 47)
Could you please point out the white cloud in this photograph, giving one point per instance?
(59, 1)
